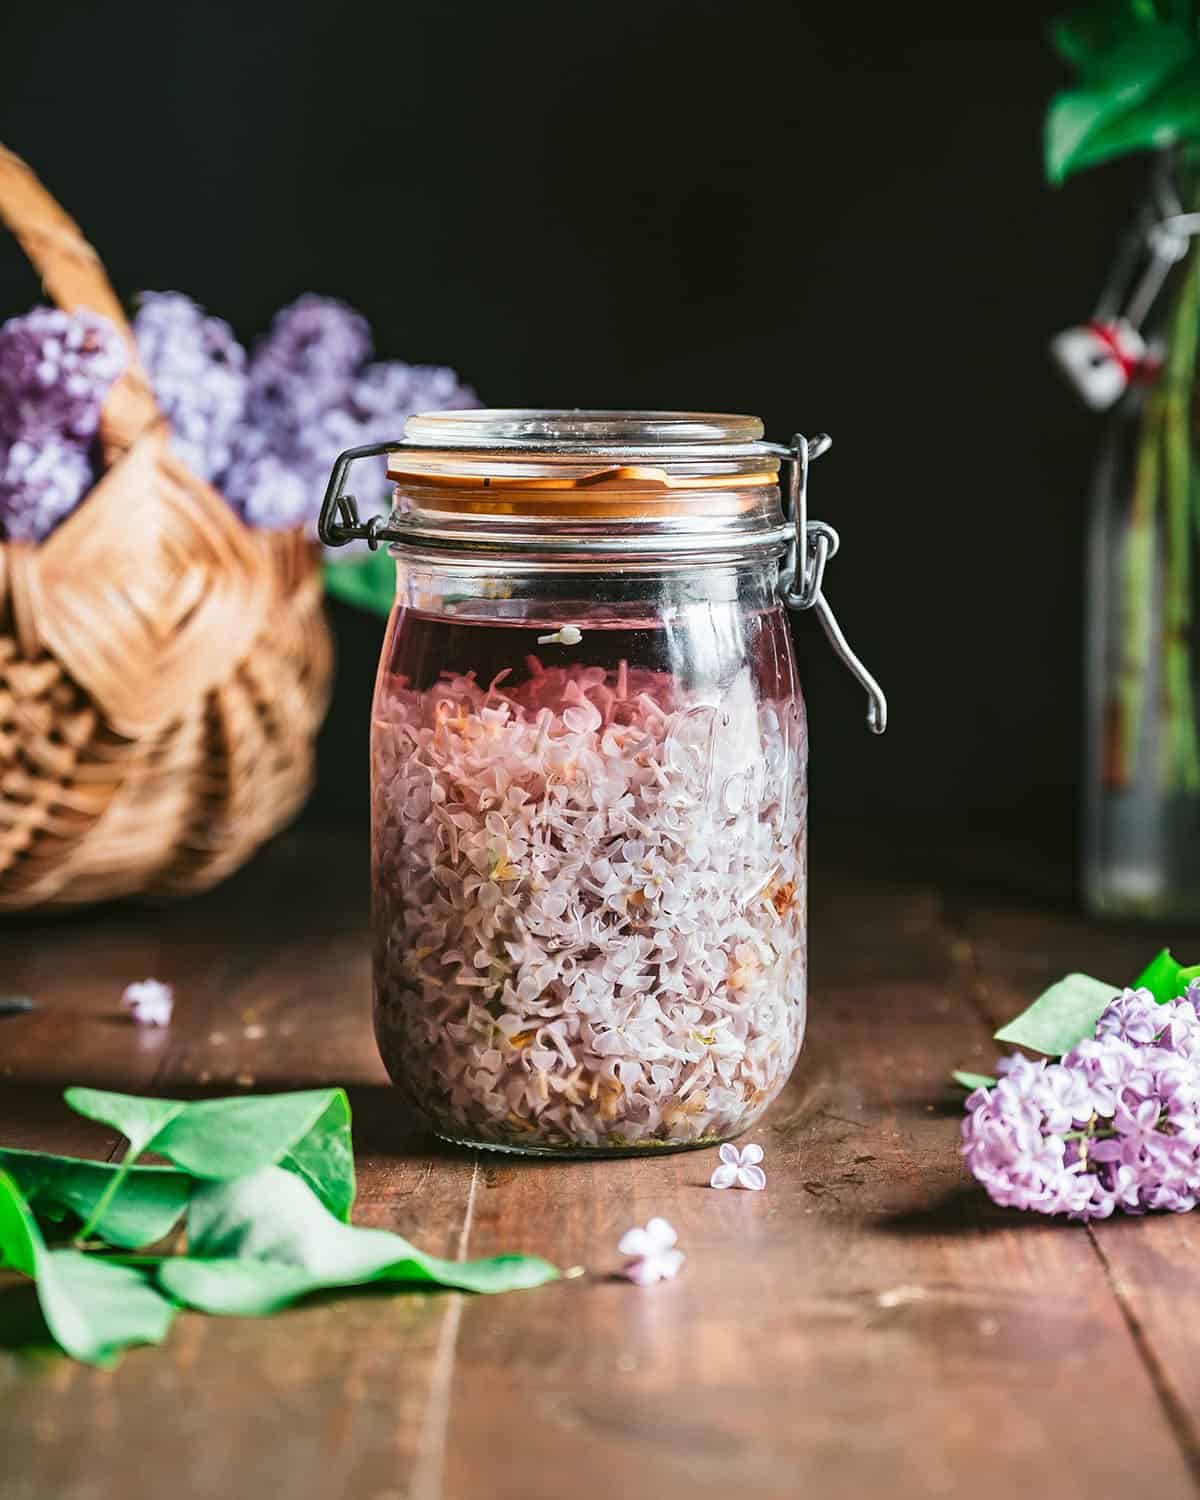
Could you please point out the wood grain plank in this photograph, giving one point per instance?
(867, 1326)
(1011, 953)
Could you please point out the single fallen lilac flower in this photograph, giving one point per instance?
(739, 1169)
(654, 1255)
(150, 1002)
(565, 635)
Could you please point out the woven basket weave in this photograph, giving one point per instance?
(163, 667)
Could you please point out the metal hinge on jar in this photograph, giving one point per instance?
(815, 542)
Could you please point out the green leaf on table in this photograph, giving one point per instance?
(1165, 977)
(973, 1081)
(1061, 1016)
(259, 1243)
(93, 1308)
(144, 1208)
(1137, 87)
(307, 1133)
(366, 582)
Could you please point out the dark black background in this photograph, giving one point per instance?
(832, 216)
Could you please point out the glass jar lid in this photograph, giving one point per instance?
(565, 450)
(580, 431)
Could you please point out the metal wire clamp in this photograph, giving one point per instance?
(339, 521)
(814, 544)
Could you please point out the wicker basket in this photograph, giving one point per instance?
(163, 667)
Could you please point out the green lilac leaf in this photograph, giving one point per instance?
(145, 1208)
(973, 1081)
(93, 1308)
(261, 1242)
(1165, 977)
(139, 1120)
(1166, 116)
(1061, 1016)
(307, 1133)
(1136, 91)
(1088, 34)
(366, 582)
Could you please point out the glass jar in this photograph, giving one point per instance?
(588, 777)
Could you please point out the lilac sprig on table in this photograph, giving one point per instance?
(1114, 1125)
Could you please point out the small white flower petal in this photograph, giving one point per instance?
(669, 1264)
(730, 1154)
(642, 1271)
(751, 1156)
(661, 1234)
(635, 1242)
(724, 1176)
(753, 1178)
(150, 1002)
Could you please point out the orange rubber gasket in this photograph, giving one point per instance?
(635, 478)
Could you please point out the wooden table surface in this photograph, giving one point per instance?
(867, 1326)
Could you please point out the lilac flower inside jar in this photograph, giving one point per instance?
(588, 774)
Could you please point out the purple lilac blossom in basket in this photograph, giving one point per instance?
(197, 370)
(41, 483)
(312, 395)
(56, 368)
(55, 371)
(263, 430)
(1114, 1125)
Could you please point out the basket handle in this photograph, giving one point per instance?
(73, 275)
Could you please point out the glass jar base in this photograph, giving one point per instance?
(1118, 901)
(589, 1153)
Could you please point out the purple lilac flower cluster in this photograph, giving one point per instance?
(198, 371)
(56, 368)
(1114, 1125)
(263, 428)
(312, 392)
